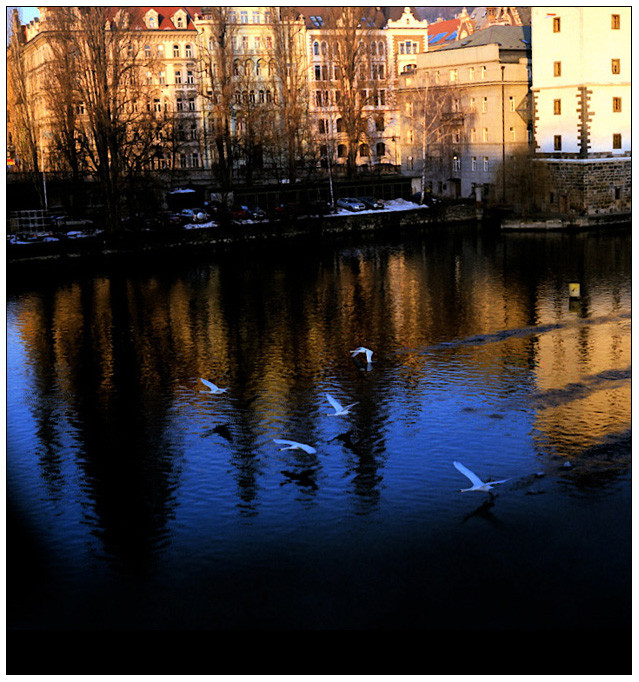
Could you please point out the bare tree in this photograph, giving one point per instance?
(218, 78)
(21, 101)
(289, 70)
(98, 61)
(350, 32)
(434, 118)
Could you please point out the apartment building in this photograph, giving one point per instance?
(483, 125)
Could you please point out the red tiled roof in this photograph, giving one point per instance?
(443, 30)
(164, 16)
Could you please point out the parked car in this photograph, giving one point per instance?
(351, 204)
(258, 213)
(240, 213)
(319, 207)
(195, 215)
(372, 203)
(289, 210)
(429, 199)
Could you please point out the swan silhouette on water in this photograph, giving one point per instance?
(478, 484)
(294, 445)
(339, 410)
(367, 351)
(212, 387)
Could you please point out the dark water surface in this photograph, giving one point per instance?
(137, 500)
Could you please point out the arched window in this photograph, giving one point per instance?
(188, 51)
(324, 48)
(315, 47)
(380, 149)
(176, 50)
(342, 151)
(339, 125)
(364, 150)
(380, 47)
(373, 48)
(147, 51)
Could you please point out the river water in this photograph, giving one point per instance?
(137, 500)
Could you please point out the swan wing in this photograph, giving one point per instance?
(336, 406)
(212, 386)
(283, 441)
(473, 478)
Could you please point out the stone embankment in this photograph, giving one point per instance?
(584, 222)
(104, 248)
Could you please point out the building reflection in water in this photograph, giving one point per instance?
(114, 364)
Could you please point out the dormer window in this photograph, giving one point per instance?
(179, 19)
(151, 19)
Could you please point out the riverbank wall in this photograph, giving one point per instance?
(105, 248)
(585, 222)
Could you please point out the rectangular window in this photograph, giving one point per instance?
(318, 72)
(557, 143)
(456, 163)
(453, 75)
(556, 24)
(484, 105)
(484, 135)
(615, 21)
(162, 78)
(473, 135)
(176, 50)
(485, 163)
(188, 52)
(512, 134)
(256, 17)
(179, 104)
(191, 104)
(511, 104)
(556, 107)
(178, 77)
(244, 17)
(471, 73)
(616, 141)
(616, 65)
(483, 73)
(189, 77)
(472, 104)
(616, 104)
(473, 163)
(556, 68)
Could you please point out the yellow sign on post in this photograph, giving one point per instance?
(575, 289)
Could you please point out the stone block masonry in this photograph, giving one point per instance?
(587, 186)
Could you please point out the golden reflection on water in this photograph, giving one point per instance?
(274, 332)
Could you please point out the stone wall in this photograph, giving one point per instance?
(586, 186)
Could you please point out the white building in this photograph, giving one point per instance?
(582, 103)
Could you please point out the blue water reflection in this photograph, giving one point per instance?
(157, 504)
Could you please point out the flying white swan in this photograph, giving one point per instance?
(478, 484)
(294, 445)
(339, 410)
(367, 351)
(213, 388)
